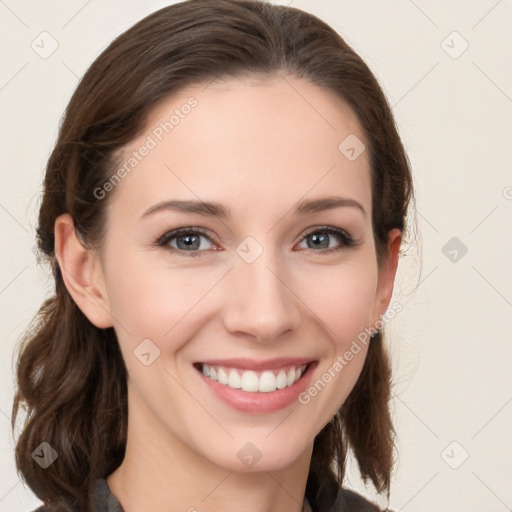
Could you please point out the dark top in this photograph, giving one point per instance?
(104, 501)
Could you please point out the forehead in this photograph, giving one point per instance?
(241, 141)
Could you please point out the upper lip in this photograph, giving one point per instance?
(254, 364)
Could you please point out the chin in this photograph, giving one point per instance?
(257, 456)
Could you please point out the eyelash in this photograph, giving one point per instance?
(345, 238)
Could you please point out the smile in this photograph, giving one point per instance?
(256, 387)
(254, 381)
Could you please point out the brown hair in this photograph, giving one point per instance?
(71, 377)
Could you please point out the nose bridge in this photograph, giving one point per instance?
(261, 303)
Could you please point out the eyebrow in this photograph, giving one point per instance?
(214, 209)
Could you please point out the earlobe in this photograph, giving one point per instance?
(81, 273)
(388, 272)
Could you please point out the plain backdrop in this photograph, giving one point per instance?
(445, 67)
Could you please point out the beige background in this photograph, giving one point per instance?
(451, 345)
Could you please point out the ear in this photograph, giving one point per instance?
(387, 274)
(82, 273)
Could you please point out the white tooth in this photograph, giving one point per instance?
(267, 382)
(222, 376)
(249, 381)
(234, 380)
(281, 380)
(290, 379)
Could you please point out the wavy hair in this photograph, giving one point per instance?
(70, 375)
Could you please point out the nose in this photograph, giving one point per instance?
(262, 305)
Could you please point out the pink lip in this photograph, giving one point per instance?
(258, 402)
(254, 365)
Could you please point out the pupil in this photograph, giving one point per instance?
(190, 240)
(317, 239)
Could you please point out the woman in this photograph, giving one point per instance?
(223, 212)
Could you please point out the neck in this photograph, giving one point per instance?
(160, 473)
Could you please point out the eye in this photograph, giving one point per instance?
(188, 241)
(185, 240)
(321, 239)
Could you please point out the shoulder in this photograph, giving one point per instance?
(57, 507)
(349, 501)
(101, 500)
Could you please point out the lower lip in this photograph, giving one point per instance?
(260, 402)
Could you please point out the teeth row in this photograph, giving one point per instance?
(250, 381)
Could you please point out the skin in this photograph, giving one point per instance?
(258, 148)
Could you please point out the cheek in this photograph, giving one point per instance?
(155, 302)
(343, 299)
(150, 292)
(342, 296)
(148, 300)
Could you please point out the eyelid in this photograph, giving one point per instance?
(174, 233)
(327, 229)
(346, 239)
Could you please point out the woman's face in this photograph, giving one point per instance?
(269, 281)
